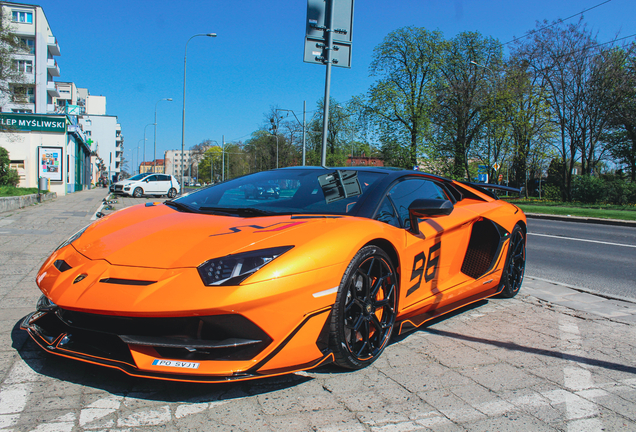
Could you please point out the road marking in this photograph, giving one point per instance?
(582, 414)
(583, 240)
(14, 393)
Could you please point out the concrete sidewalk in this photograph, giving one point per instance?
(551, 359)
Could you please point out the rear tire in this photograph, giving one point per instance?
(172, 193)
(513, 272)
(365, 309)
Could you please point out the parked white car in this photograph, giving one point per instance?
(147, 184)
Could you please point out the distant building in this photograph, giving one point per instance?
(365, 161)
(145, 167)
(37, 63)
(190, 160)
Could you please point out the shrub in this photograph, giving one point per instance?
(8, 176)
(588, 189)
(551, 192)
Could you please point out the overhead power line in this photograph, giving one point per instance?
(531, 32)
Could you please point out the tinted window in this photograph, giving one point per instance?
(152, 178)
(296, 191)
(405, 192)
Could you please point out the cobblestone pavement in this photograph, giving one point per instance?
(552, 359)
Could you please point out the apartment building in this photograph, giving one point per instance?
(174, 158)
(36, 89)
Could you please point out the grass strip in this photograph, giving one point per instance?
(9, 191)
(602, 213)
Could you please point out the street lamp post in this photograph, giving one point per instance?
(154, 158)
(149, 124)
(185, 59)
(138, 164)
(303, 125)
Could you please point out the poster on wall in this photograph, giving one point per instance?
(50, 163)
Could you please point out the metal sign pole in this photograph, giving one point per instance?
(329, 49)
(304, 130)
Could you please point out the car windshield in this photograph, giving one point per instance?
(139, 176)
(285, 191)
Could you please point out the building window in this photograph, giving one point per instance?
(22, 111)
(28, 45)
(24, 94)
(22, 17)
(88, 133)
(25, 66)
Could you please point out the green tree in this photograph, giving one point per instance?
(210, 165)
(8, 176)
(463, 95)
(406, 65)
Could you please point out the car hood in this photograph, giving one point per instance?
(158, 236)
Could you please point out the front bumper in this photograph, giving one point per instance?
(149, 321)
(178, 357)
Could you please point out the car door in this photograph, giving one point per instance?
(164, 184)
(428, 260)
(151, 184)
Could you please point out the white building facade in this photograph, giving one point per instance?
(35, 93)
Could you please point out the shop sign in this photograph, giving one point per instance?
(30, 122)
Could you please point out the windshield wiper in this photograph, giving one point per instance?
(180, 206)
(241, 211)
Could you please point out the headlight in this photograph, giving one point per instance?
(72, 238)
(234, 269)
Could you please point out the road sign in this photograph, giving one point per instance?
(500, 177)
(496, 166)
(316, 26)
(482, 178)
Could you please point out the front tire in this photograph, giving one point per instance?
(365, 309)
(512, 276)
(138, 192)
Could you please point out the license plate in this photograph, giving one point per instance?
(173, 363)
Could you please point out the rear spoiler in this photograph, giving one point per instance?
(483, 188)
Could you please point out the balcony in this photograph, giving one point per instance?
(54, 48)
(52, 67)
(52, 89)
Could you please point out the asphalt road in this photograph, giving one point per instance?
(601, 258)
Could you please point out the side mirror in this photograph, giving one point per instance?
(428, 208)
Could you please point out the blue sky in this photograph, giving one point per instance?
(132, 53)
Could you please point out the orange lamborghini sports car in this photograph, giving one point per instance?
(275, 272)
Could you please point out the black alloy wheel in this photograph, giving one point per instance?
(365, 309)
(138, 192)
(515, 264)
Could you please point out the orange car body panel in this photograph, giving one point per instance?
(290, 300)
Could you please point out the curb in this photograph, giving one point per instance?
(22, 201)
(586, 290)
(581, 219)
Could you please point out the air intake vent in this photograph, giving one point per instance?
(482, 249)
(61, 265)
(116, 281)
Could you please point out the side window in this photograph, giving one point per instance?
(164, 178)
(405, 192)
(386, 213)
(151, 178)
